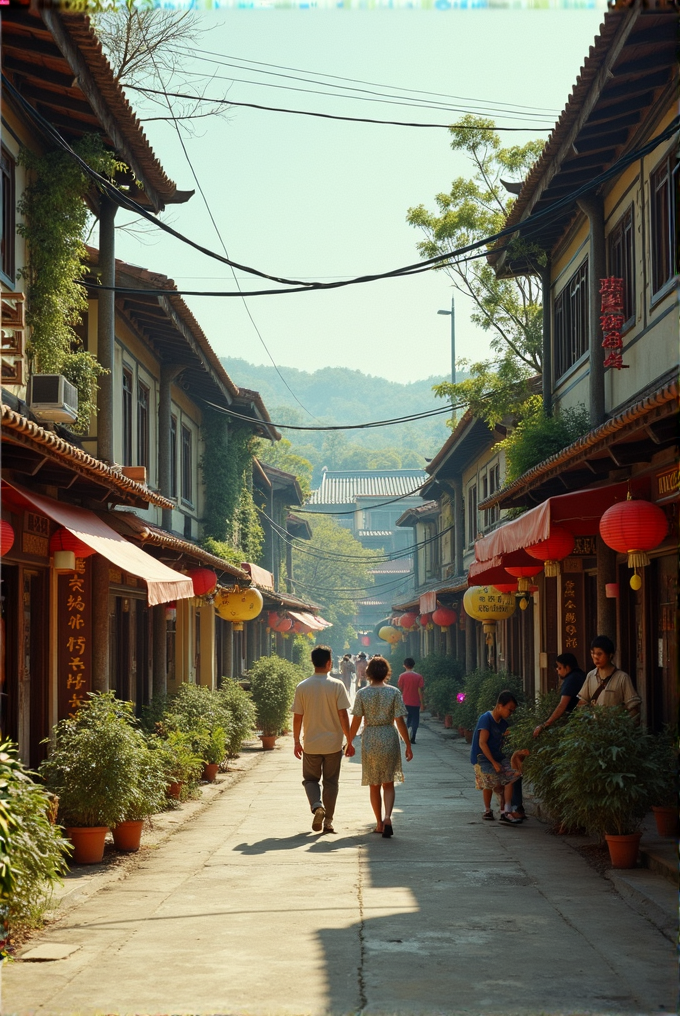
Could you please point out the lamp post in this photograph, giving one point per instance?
(452, 314)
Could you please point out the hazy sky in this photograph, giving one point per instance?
(304, 197)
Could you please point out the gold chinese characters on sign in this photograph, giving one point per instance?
(572, 606)
(75, 638)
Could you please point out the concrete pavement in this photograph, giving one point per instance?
(245, 911)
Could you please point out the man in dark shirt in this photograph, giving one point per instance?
(572, 681)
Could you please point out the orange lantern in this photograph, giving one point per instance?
(204, 580)
(633, 528)
(6, 537)
(523, 573)
(63, 539)
(559, 545)
(408, 620)
(444, 617)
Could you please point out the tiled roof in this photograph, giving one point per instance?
(374, 532)
(345, 486)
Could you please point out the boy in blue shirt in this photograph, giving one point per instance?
(492, 767)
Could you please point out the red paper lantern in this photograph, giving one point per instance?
(559, 545)
(63, 539)
(365, 640)
(633, 528)
(425, 619)
(204, 580)
(444, 617)
(6, 537)
(523, 573)
(408, 620)
(506, 587)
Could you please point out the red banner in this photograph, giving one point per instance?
(611, 321)
(74, 637)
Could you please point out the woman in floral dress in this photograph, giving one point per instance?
(380, 705)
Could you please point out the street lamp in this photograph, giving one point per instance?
(452, 314)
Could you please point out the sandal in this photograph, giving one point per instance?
(387, 830)
(488, 816)
(507, 819)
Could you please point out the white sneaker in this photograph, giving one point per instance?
(319, 816)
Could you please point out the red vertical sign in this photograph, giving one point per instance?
(74, 638)
(611, 309)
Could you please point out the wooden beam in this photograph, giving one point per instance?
(36, 71)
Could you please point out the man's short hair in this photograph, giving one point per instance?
(568, 660)
(603, 642)
(409, 662)
(321, 655)
(505, 697)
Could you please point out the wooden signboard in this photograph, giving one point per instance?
(571, 615)
(74, 637)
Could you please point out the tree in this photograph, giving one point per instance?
(510, 309)
(281, 456)
(333, 581)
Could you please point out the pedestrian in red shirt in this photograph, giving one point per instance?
(411, 687)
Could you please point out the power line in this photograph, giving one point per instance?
(361, 81)
(325, 116)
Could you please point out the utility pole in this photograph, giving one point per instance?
(452, 314)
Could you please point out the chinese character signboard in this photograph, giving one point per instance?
(611, 320)
(572, 615)
(74, 638)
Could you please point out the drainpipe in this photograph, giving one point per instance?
(547, 341)
(169, 372)
(593, 206)
(459, 525)
(106, 329)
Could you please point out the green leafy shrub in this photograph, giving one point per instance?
(239, 706)
(211, 745)
(94, 765)
(665, 757)
(177, 758)
(443, 677)
(33, 851)
(272, 685)
(606, 771)
(537, 436)
(539, 766)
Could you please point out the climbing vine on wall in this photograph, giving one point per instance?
(231, 524)
(55, 218)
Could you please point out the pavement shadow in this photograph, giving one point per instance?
(318, 843)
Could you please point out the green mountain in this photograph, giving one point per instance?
(337, 395)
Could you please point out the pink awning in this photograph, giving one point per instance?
(313, 622)
(579, 512)
(260, 576)
(163, 584)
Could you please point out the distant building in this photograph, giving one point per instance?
(368, 503)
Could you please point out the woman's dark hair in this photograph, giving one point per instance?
(409, 662)
(321, 655)
(568, 660)
(378, 668)
(505, 697)
(604, 643)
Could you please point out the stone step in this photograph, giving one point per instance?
(651, 895)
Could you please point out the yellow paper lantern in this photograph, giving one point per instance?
(238, 605)
(389, 634)
(486, 604)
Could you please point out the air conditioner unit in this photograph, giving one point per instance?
(53, 398)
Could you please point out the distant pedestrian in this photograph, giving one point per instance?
(360, 667)
(320, 709)
(410, 685)
(346, 671)
(573, 679)
(606, 685)
(381, 706)
(492, 766)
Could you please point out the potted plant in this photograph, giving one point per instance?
(148, 798)
(211, 745)
(272, 690)
(666, 807)
(92, 768)
(179, 762)
(607, 776)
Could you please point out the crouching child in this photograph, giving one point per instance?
(493, 771)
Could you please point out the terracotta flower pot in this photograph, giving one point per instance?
(461, 731)
(623, 850)
(448, 721)
(210, 770)
(174, 790)
(128, 835)
(88, 843)
(667, 823)
(268, 741)
(468, 736)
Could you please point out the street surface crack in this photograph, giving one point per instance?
(362, 940)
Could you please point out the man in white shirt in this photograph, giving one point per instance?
(320, 708)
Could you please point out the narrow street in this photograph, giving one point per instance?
(246, 911)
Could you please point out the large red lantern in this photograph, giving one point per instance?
(559, 545)
(408, 620)
(204, 580)
(444, 617)
(63, 539)
(633, 528)
(425, 619)
(6, 537)
(505, 587)
(523, 573)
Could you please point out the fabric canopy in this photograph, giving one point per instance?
(260, 576)
(163, 584)
(488, 573)
(313, 622)
(579, 512)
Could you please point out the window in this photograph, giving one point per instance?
(187, 465)
(173, 456)
(142, 425)
(571, 321)
(664, 216)
(491, 515)
(622, 261)
(472, 513)
(127, 417)
(8, 176)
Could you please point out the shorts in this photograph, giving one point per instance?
(486, 777)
